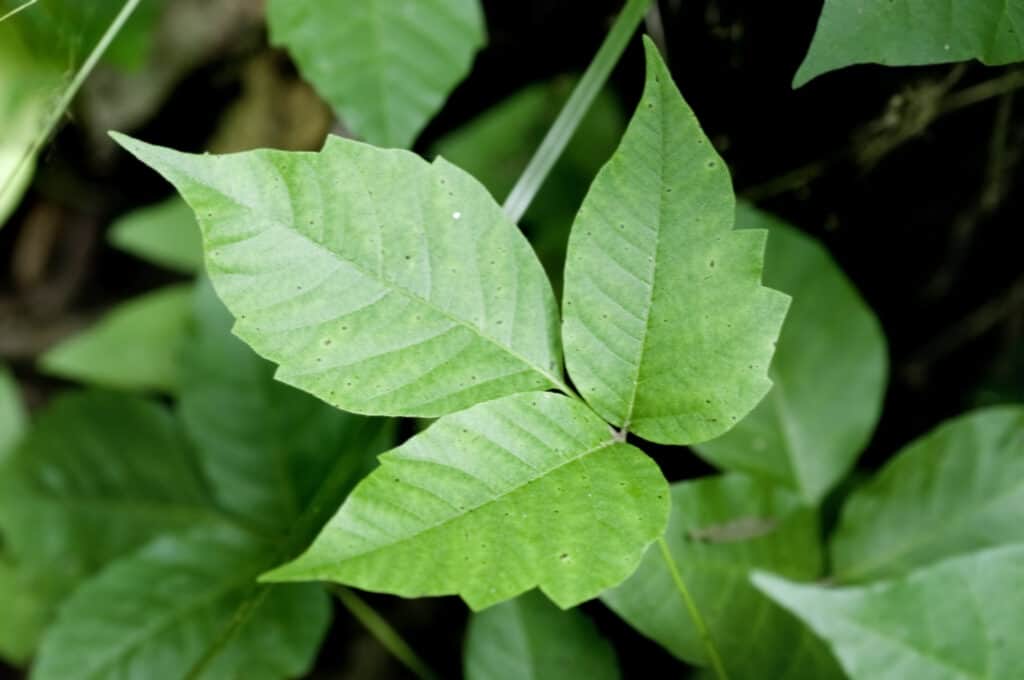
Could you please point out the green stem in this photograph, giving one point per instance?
(19, 8)
(383, 632)
(572, 113)
(691, 606)
(76, 84)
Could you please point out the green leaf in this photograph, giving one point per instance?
(667, 329)
(528, 637)
(155, 613)
(955, 490)
(720, 529)
(136, 346)
(103, 473)
(380, 283)
(12, 413)
(496, 146)
(529, 490)
(958, 620)
(914, 32)
(265, 447)
(386, 67)
(26, 613)
(828, 373)
(165, 234)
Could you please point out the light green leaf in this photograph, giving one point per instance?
(155, 613)
(26, 612)
(958, 489)
(386, 67)
(530, 490)
(720, 529)
(136, 346)
(102, 473)
(165, 234)
(265, 447)
(958, 620)
(668, 331)
(529, 637)
(496, 146)
(914, 32)
(380, 283)
(12, 413)
(828, 373)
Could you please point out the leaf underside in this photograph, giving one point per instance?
(380, 283)
(667, 329)
(914, 32)
(529, 490)
(957, 620)
(391, 64)
(958, 489)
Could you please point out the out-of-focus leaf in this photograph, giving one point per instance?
(12, 413)
(529, 637)
(382, 284)
(828, 373)
(157, 612)
(525, 491)
(166, 234)
(958, 489)
(667, 329)
(26, 612)
(137, 346)
(386, 67)
(720, 529)
(958, 620)
(265, 446)
(914, 32)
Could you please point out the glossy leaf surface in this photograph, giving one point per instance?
(828, 373)
(957, 489)
(530, 490)
(386, 67)
(667, 329)
(957, 620)
(720, 529)
(380, 283)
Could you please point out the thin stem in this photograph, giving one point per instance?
(691, 606)
(575, 108)
(76, 84)
(383, 632)
(20, 8)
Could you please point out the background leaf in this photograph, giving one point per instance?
(529, 637)
(955, 490)
(136, 346)
(155, 613)
(667, 329)
(530, 490)
(391, 65)
(828, 373)
(720, 529)
(266, 447)
(165, 233)
(914, 32)
(957, 620)
(12, 412)
(380, 283)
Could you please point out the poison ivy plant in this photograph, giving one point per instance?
(828, 373)
(165, 234)
(391, 64)
(158, 612)
(384, 284)
(528, 637)
(668, 332)
(956, 490)
(136, 346)
(957, 620)
(914, 32)
(720, 529)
